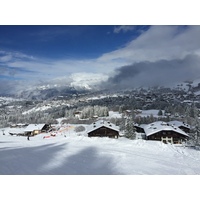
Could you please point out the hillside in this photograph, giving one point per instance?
(77, 155)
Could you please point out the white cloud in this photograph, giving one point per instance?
(159, 42)
(6, 56)
(38, 69)
(123, 28)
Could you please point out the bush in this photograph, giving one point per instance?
(79, 129)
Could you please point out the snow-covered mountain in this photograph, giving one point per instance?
(83, 83)
(87, 81)
(189, 86)
(75, 84)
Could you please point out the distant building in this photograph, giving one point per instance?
(17, 131)
(103, 129)
(34, 129)
(77, 114)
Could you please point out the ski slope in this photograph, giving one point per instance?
(71, 154)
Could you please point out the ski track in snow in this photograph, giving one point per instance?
(80, 155)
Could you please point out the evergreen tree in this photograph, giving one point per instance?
(121, 123)
(160, 113)
(130, 129)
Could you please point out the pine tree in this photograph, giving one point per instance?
(121, 123)
(130, 129)
(160, 113)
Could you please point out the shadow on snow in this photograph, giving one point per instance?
(30, 161)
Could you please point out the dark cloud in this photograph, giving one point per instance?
(159, 73)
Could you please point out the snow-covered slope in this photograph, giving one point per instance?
(192, 85)
(68, 153)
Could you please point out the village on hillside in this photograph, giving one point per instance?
(174, 132)
(160, 114)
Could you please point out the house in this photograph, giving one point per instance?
(140, 134)
(103, 129)
(127, 113)
(165, 132)
(17, 131)
(139, 128)
(34, 129)
(182, 125)
(77, 114)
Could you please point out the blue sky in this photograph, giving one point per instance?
(60, 42)
(27, 52)
(34, 54)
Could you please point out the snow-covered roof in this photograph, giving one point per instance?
(17, 130)
(101, 123)
(158, 126)
(142, 125)
(33, 127)
(179, 123)
(139, 125)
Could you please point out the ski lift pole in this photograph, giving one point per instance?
(197, 140)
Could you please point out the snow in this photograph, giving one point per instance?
(76, 154)
(87, 80)
(98, 97)
(159, 125)
(149, 113)
(32, 127)
(179, 123)
(45, 107)
(113, 114)
(8, 99)
(154, 113)
(102, 123)
(42, 108)
(17, 130)
(196, 82)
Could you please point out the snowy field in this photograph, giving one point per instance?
(79, 155)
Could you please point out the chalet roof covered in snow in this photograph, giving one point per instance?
(179, 123)
(139, 125)
(33, 127)
(101, 123)
(17, 130)
(158, 126)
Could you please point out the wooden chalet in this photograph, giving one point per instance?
(34, 129)
(17, 132)
(18, 129)
(162, 131)
(139, 128)
(103, 129)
